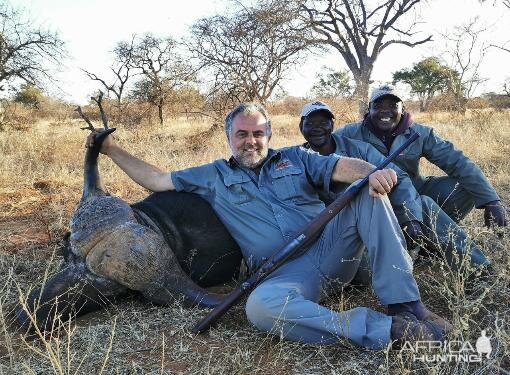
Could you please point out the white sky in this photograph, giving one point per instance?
(92, 28)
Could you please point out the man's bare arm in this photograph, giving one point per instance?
(143, 173)
(348, 170)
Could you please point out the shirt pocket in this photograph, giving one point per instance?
(287, 183)
(237, 190)
(411, 153)
(409, 159)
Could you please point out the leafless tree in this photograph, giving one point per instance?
(121, 69)
(466, 50)
(248, 51)
(27, 52)
(506, 87)
(122, 72)
(162, 66)
(360, 30)
(506, 3)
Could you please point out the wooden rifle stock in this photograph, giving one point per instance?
(302, 239)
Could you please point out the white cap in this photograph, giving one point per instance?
(384, 90)
(316, 106)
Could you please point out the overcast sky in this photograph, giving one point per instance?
(91, 28)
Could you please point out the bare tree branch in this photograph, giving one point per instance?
(358, 31)
(500, 47)
(506, 3)
(27, 53)
(248, 51)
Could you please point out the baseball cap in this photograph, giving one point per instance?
(384, 90)
(316, 106)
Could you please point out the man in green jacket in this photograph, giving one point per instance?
(317, 125)
(387, 124)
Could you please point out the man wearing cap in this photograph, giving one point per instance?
(264, 196)
(316, 125)
(447, 199)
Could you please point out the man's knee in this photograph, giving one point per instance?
(450, 196)
(265, 306)
(429, 206)
(364, 198)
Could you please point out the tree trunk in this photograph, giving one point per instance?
(160, 111)
(120, 112)
(423, 104)
(460, 103)
(362, 80)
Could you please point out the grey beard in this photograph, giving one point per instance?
(251, 164)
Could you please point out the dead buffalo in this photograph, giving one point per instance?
(167, 247)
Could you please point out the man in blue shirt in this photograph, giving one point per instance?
(265, 196)
(387, 124)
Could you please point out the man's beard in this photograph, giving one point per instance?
(250, 161)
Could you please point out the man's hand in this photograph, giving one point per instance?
(495, 214)
(381, 182)
(107, 143)
(412, 233)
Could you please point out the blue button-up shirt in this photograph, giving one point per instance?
(262, 212)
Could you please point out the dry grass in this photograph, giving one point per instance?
(40, 183)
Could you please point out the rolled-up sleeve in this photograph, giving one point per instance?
(198, 180)
(319, 168)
